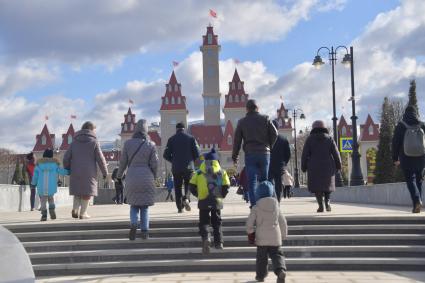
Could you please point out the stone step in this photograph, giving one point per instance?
(241, 264)
(228, 231)
(174, 242)
(227, 222)
(228, 252)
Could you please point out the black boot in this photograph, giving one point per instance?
(132, 234)
(52, 213)
(43, 215)
(328, 202)
(319, 198)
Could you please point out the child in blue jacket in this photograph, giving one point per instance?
(46, 180)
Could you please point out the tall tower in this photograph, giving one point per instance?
(211, 92)
(235, 101)
(173, 110)
(285, 122)
(127, 128)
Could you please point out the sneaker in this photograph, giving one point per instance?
(219, 246)
(132, 234)
(145, 235)
(186, 205)
(259, 279)
(281, 277)
(84, 216)
(205, 246)
(74, 214)
(328, 207)
(180, 211)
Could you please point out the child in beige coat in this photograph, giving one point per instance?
(287, 182)
(266, 227)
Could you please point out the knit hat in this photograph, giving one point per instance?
(180, 125)
(48, 153)
(251, 105)
(264, 190)
(212, 155)
(141, 126)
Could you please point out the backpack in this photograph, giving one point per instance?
(214, 181)
(414, 140)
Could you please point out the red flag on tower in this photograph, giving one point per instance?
(46, 117)
(130, 101)
(73, 116)
(213, 13)
(175, 63)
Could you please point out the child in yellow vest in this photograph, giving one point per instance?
(210, 185)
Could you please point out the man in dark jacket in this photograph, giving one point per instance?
(118, 199)
(258, 135)
(182, 150)
(412, 166)
(279, 157)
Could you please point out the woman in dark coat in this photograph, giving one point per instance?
(321, 160)
(412, 167)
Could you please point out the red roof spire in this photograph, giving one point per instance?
(173, 98)
(236, 96)
(67, 138)
(227, 141)
(344, 129)
(44, 140)
(129, 122)
(282, 115)
(369, 131)
(210, 38)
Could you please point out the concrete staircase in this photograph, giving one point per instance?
(314, 243)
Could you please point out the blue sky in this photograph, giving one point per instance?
(89, 58)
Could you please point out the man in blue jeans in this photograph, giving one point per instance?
(258, 135)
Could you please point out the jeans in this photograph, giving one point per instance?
(277, 257)
(414, 181)
(257, 169)
(276, 178)
(215, 220)
(144, 216)
(32, 196)
(179, 179)
(44, 200)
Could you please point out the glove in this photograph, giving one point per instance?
(251, 238)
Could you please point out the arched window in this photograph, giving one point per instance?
(176, 88)
(69, 139)
(170, 88)
(371, 130)
(236, 98)
(43, 140)
(230, 99)
(280, 123)
(172, 100)
(243, 98)
(125, 128)
(233, 85)
(129, 118)
(179, 101)
(229, 140)
(166, 100)
(131, 127)
(239, 85)
(209, 38)
(344, 131)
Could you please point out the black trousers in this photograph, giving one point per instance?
(119, 198)
(181, 178)
(213, 217)
(32, 196)
(277, 257)
(286, 191)
(276, 178)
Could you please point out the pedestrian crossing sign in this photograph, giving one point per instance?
(346, 144)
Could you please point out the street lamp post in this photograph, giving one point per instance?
(295, 113)
(318, 62)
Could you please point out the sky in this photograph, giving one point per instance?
(88, 58)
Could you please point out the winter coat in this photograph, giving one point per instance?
(406, 162)
(279, 155)
(320, 159)
(139, 187)
(82, 158)
(257, 132)
(182, 150)
(287, 179)
(210, 184)
(46, 176)
(267, 222)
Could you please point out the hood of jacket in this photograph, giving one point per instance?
(411, 116)
(268, 204)
(48, 163)
(85, 136)
(320, 133)
(214, 165)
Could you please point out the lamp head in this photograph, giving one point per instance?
(302, 116)
(318, 62)
(346, 61)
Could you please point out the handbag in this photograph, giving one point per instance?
(239, 191)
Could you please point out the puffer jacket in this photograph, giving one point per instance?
(267, 222)
(46, 176)
(210, 185)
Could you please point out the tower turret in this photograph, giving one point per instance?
(235, 101)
